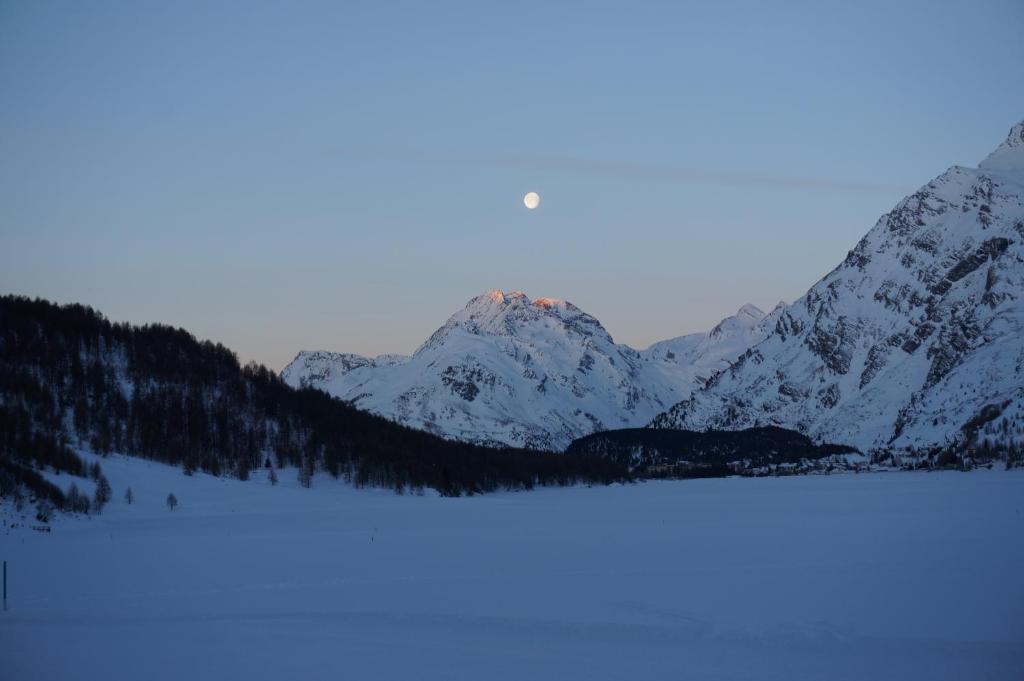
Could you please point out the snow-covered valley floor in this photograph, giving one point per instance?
(879, 576)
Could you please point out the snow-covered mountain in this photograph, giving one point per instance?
(916, 339)
(537, 373)
(696, 357)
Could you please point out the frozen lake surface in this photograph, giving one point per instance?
(878, 576)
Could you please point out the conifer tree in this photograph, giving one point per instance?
(103, 493)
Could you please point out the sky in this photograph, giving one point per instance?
(346, 175)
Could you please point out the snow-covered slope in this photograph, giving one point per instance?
(914, 340)
(537, 373)
(731, 579)
(696, 357)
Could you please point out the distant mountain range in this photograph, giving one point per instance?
(914, 341)
(530, 373)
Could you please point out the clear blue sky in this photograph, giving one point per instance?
(345, 175)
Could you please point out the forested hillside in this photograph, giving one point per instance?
(652, 452)
(70, 378)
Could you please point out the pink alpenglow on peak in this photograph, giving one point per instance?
(502, 298)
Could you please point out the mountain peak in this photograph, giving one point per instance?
(746, 318)
(513, 314)
(509, 370)
(1010, 154)
(498, 297)
(750, 310)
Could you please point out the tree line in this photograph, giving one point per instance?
(70, 378)
(686, 453)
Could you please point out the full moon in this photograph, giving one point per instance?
(531, 200)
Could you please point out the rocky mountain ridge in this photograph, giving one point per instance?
(915, 341)
(539, 373)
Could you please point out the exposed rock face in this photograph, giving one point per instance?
(537, 373)
(913, 336)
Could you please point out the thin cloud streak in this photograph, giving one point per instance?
(622, 169)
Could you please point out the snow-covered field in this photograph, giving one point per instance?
(880, 576)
